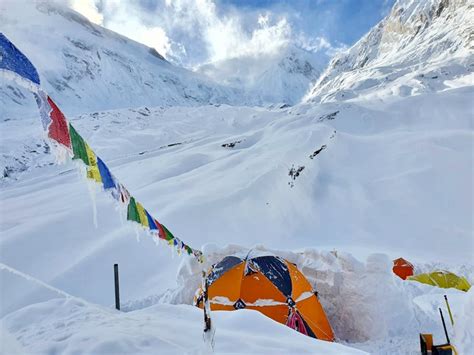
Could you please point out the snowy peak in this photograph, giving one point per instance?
(284, 76)
(425, 30)
(299, 61)
(428, 35)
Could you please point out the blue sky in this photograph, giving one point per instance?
(194, 32)
(343, 21)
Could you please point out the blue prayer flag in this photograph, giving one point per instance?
(12, 59)
(151, 221)
(107, 179)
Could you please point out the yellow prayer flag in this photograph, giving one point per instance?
(142, 214)
(92, 170)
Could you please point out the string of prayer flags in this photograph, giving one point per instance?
(66, 138)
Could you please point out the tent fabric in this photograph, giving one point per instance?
(295, 321)
(222, 267)
(12, 59)
(276, 271)
(58, 129)
(268, 284)
(402, 268)
(442, 279)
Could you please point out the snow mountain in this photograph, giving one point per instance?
(87, 68)
(421, 46)
(281, 77)
(375, 164)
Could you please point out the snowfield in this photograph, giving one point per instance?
(375, 164)
(366, 192)
(72, 327)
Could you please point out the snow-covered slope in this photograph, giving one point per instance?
(70, 327)
(329, 185)
(87, 68)
(421, 46)
(285, 76)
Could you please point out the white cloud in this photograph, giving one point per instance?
(154, 36)
(88, 8)
(121, 17)
(224, 36)
(193, 32)
(318, 44)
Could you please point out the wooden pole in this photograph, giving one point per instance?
(117, 290)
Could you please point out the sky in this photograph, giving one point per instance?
(194, 32)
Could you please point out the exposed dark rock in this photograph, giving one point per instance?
(231, 144)
(294, 173)
(316, 152)
(329, 116)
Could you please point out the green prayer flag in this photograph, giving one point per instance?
(132, 213)
(78, 145)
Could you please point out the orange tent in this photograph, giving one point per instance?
(270, 285)
(402, 268)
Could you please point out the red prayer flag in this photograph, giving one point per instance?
(58, 129)
(161, 231)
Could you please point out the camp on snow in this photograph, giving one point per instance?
(438, 278)
(270, 285)
(402, 268)
(442, 279)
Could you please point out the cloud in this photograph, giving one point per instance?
(89, 9)
(194, 32)
(200, 26)
(121, 17)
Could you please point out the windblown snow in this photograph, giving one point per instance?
(375, 164)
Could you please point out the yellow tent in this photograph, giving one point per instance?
(443, 279)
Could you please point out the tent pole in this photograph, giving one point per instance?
(444, 326)
(117, 291)
(449, 310)
(207, 318)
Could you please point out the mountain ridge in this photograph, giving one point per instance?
(86, 67)
(281, 77)
(414, 49)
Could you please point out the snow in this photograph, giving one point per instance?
(85, 67)
(385, 178)
(419, 47)
(284, 76)
(8, 343)
(67, 327)
(463, 326)
(394, 179)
